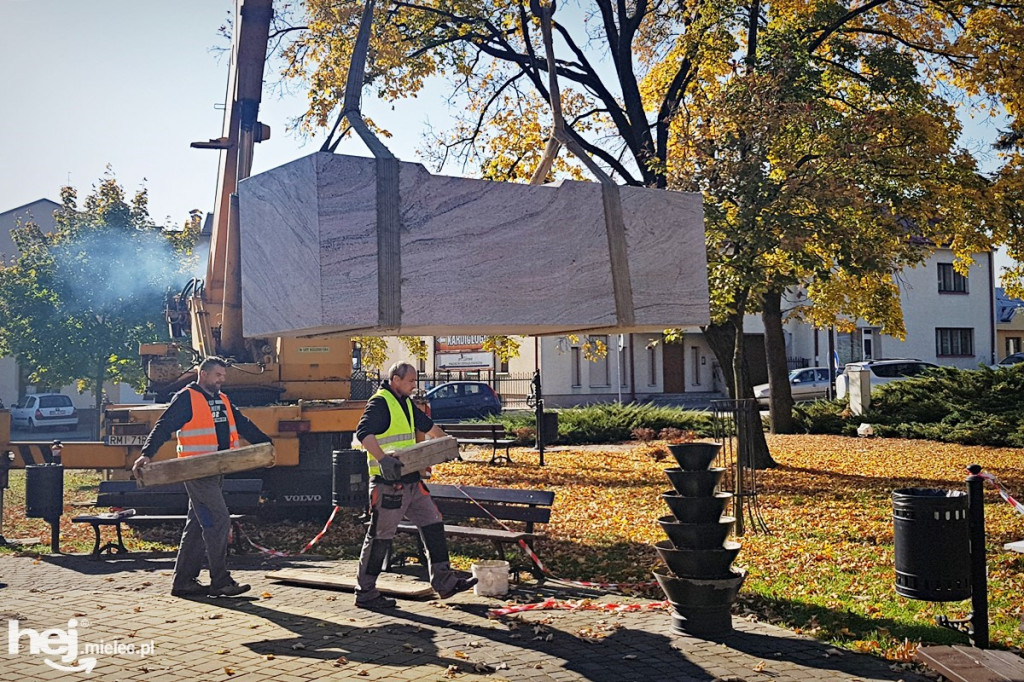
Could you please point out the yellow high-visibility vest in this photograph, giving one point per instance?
(401, 431)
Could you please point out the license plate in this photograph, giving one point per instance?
(125, 440)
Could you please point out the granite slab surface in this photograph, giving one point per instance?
(476, 256)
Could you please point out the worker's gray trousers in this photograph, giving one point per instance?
(207, 529)
(389, 504)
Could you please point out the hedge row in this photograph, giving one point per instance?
(970, 407)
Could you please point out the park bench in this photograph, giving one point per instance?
(524, 508)
(967, 664)
(134, 506)
(492, 435)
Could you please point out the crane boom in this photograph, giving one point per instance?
(240, 132)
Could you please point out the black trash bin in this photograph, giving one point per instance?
(44, 491)
(351, 479)
(550, 426)
(932, 543)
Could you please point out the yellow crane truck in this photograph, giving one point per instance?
(298, 391)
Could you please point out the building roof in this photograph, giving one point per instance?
(21, 208)
(1006, 307)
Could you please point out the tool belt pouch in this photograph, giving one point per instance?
(392, 501)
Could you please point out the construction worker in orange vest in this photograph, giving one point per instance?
(205, 421)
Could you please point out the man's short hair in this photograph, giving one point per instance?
(400, 370)
(212, 361)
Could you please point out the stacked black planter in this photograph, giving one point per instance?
(702, 584)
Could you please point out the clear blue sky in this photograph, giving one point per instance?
(131, 83)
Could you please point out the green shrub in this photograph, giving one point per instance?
(970, 407)
(610, 422)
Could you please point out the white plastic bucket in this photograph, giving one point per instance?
(492, 577)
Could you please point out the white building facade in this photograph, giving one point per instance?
(949, 318)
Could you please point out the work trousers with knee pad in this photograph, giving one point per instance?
(389, 504)
(207, 530)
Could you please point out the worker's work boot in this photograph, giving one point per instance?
(377, 603)
(193, 588)
(231, 589)
(461, 585)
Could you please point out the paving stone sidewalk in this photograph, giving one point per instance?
(126, 620)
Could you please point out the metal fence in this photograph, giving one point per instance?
(735, 423)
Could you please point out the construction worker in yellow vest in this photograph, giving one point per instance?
(204, 421)
(389, 423)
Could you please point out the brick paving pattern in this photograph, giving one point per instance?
(287, 633)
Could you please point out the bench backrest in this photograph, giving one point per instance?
(242, 496)
(506, 504)
(474, 430)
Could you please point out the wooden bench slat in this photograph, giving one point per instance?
(468, 510)
(486, 494)
(967, 664)
(489, 534)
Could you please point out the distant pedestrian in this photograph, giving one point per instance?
(205, 421)
(389, 423)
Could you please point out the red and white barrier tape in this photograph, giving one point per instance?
(1003, 492)
(544, 569)
(309, 545)
(551, 604)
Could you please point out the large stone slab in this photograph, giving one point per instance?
(476, 257)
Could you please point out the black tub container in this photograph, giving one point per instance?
(694, 456)
(696, 535)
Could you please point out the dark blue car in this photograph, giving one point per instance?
(463, 400)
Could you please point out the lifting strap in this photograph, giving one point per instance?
(614, 220)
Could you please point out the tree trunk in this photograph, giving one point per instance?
(751, 444)
(101, 372)
(722, 340)
(781, 402)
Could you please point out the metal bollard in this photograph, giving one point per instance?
(6, 460)
(976, 623)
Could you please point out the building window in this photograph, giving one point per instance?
(1012, 345)
(574, 354)
(652, 364)
(695, 355)
(951, 281)
(954, 341)
(503, 366)
(599, 375)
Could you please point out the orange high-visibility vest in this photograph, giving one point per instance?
(199, 435)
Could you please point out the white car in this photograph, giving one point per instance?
(45, 411)
(882, 372)
(808, 383)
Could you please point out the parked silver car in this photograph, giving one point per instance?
(44, 411)
(882, 372)
(1010, 361)
(808, 383)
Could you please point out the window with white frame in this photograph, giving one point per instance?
(575, 360)
(954, 341)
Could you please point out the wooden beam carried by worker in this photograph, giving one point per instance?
(427, 454)
(202, 466)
